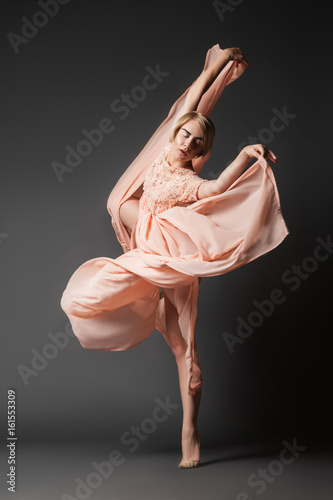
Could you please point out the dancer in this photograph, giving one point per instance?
(175, 228)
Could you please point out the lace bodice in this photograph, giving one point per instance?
(167, 186)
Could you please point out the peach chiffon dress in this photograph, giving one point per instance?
(113, 304)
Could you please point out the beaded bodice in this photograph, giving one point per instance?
(167, 186)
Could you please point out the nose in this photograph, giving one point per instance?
(187, 143)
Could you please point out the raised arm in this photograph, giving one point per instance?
(205, 80)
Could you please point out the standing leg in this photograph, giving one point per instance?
(190, 435)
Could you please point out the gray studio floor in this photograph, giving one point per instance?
(67, 472)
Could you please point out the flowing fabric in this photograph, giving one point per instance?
(113, 304)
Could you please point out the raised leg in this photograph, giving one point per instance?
(129, 213)
(190, 435)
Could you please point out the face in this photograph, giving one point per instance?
(188, 142)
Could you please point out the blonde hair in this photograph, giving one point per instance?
(206, 125)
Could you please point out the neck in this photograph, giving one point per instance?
(174, 162)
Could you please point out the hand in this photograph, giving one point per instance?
(236, 54)
(257, 150)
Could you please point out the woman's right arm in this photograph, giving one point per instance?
(205, 80)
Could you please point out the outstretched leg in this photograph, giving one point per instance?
(190, 435)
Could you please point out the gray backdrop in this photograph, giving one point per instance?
(63, 79)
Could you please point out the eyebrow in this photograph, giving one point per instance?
(190, 134)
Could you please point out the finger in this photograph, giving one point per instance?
(243, 59)
(267, 153)
(262, 150)
(258, 151)
(246, 62)
(271, 156)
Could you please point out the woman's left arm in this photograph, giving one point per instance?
(234, 170)
(205, 80)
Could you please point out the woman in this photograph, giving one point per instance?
(175, 228)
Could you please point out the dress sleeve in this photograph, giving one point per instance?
(191, 187)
